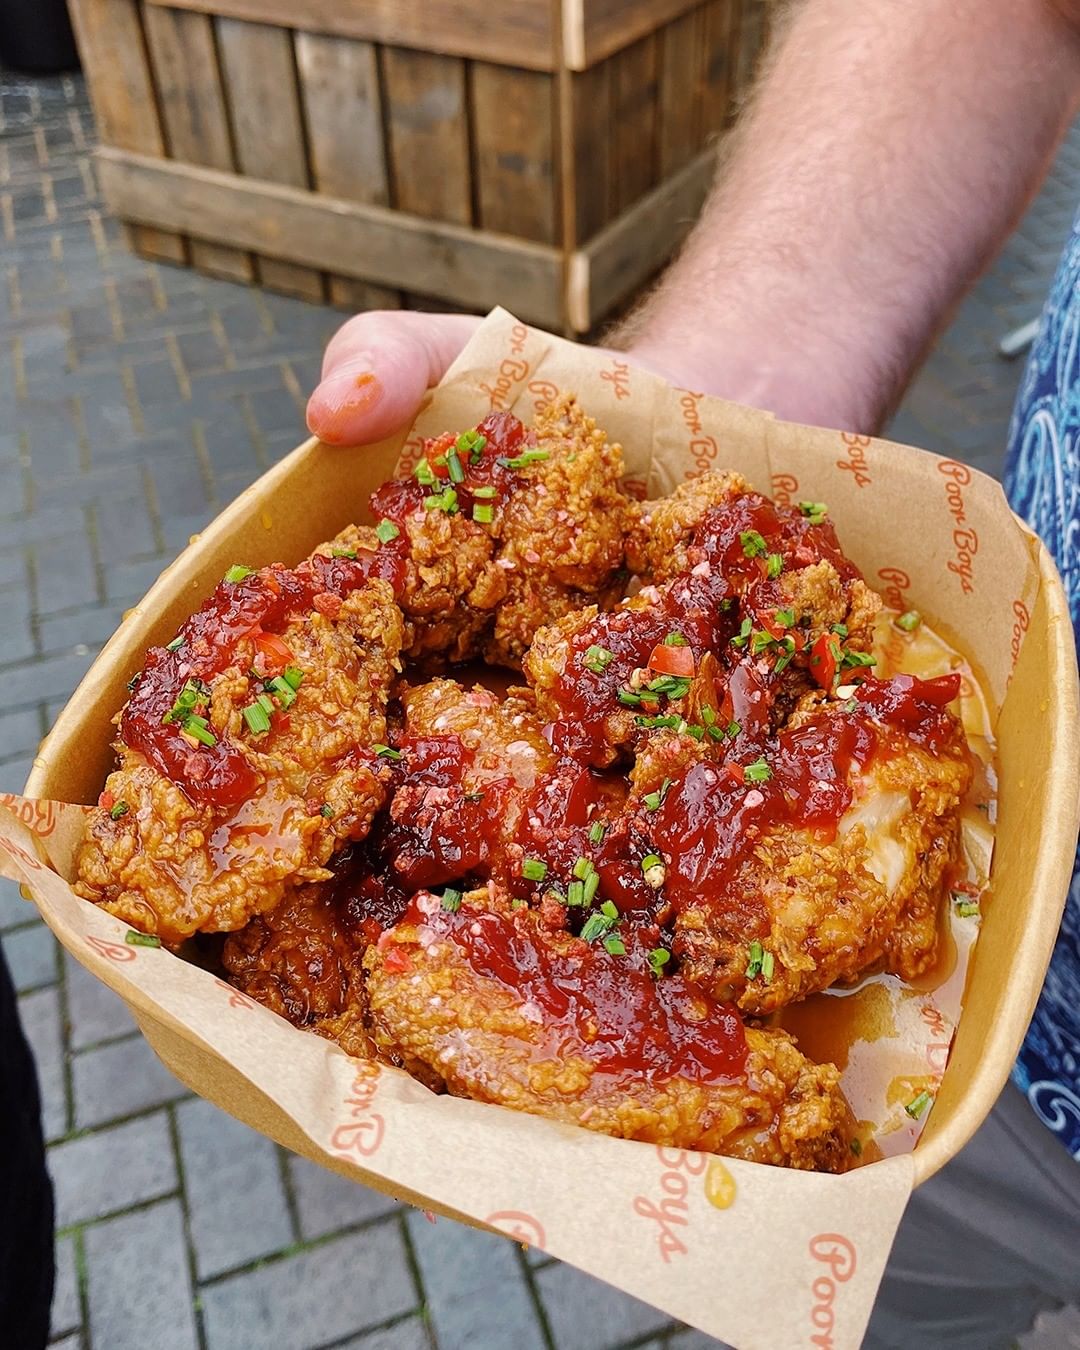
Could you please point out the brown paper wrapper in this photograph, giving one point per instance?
(758, 1256)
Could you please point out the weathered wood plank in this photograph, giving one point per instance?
(259, 76)
(720, 22)
(681, 61)
(634, 121)
(752, 26)
(513, 125)
(427, 134)
(511, 32)
(622, 257)
(339, 86)
(469, 267)
(595, 29)
(122, 91)
(196, 128)
(593, 163)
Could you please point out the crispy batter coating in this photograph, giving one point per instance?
(173, 867)
(658, 542)
(437, 1009)
(303, 961)
(828, 910)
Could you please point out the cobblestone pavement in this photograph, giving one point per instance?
(139, 400)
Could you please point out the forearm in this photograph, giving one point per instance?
(889, 149)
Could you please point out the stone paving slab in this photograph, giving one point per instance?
(141, 398)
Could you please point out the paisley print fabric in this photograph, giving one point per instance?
(1042, 480)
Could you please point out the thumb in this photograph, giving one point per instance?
(376, 369)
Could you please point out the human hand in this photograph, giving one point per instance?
(378, 365)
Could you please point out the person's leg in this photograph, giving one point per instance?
(987, 1244)
(26, 1202)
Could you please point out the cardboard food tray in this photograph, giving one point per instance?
(712, 1241)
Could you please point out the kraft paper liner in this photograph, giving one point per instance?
(761, 1257)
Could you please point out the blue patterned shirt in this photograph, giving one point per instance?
(1042, 480)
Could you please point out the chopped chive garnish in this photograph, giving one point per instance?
(815, 512)
(471, 443)
(596, 831)
(909, 621)
(443, 501)
(652, 800)
(424, 475)
(856, 1147)
(614, 946)
(652, 860)
(695, 732)
(849, 705)
(600, 922)
(120, 809)
(740, 639)
(349, 553)
(658, 959)
(774, 565)
(293, 676)
(766, 966)
(582, 868)
(174, 645)
(484, 494)
(608, 908)
(918, 1105)
(256, 717)
(964, 907)
(628, 698)
(761, 641)
(675, 640)
(526, 458)
(483, 514)
(673, 686)
(134, 939)
(385, 531)
(238, 573)
(597, 659)
(758, 772)
(753, 545)
(851, 659)
(733, 729)
(387, 752)
(518, 903)
(190, 696)
(532, 869)
(327, 811)
(284, 690)
(785, 618)
(840, 629)
(133, 683)
(453, 463)
(755, 955)
(591, 886)
(575, 894)
(451, 900)
(668, 720)
(198, 729)
(708, 716)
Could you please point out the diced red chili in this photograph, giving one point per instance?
(672, 660)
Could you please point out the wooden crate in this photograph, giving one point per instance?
(547, 155)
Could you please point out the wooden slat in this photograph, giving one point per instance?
(681, 61)
(513, 121)
(720, 28)
(595, 29)
(590, 135)
(470, 267)
(511, 32)
(634, 121)
(427, 134)
(339, 85)
(193, 112)
(114, 59)
(259, 76)
(752, 22)
(614, 264)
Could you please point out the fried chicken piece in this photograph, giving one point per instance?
(825, 857)
(504, 528)
(214, 811)
(658, 541)
(494, 1006)
(303, 960)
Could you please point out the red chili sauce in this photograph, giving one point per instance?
(505, 438)
(610, 1009)
(262, 603)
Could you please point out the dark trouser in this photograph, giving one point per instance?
(26, 1204)
(987, 1244)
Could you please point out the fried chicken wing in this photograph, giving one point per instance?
(503, 528)
(244, 752)
(494, 1006)
(823, 857)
